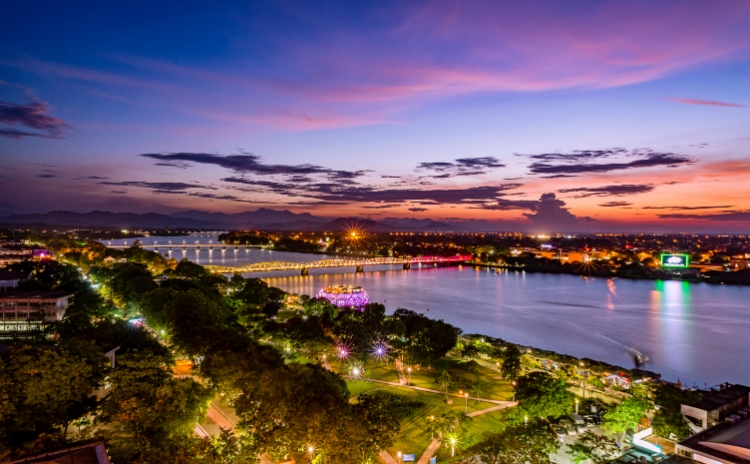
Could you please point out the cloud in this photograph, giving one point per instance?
(462, 167)
(690, 101)
(33, 117)
(417, 209)
(550, 213)
(720, 217)
(335, 191)
(590, 161)
(160, 187)
(47, 176)
(688, 208)
(249, 163)
(615, 204)
(616, 190)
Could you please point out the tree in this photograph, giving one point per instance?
(43, 389)
(668, 419)
(148, 406)
(511, 362)
(541, 395)
(625, 416)
(520, 444)
(445, 381)
(591, 446)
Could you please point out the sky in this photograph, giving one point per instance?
(591, 115)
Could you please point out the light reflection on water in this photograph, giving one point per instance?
(693, 332)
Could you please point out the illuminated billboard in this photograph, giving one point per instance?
(675, 260)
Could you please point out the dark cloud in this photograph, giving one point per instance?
(96, 178)
(248, 163)
(119, 192)
(689, 208)
(159, 187)
(211, 196)
(417, 210)
(380, 206)
(461, 167)
(721, 217)
(616, 190)
(47, 176)
(550, 213)
(335, 191)
(615, 204)
(615, 159)
(33, 118)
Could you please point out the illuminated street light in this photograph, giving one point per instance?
(466, 396)
(453, 446)
(514, 389)
(409, 371)
(399, 456)
(311, 452)
(576, 405)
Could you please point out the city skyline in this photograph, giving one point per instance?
(582, 115)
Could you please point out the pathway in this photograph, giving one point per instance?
(400, 372)
(493, 408)
(506, 404)
(387, 458)
(429, 452)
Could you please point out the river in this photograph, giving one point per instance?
(697, 333)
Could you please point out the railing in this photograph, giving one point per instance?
(328, 263)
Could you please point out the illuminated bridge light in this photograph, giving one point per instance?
(345, 296)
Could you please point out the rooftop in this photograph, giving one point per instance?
(730, 442)
(716, 399)
(19, 294)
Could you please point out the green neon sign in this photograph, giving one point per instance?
(675, 260)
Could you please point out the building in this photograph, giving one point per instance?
(11, 279)
(725, 443)
(716, 405)
(82, 453)
(31, 310)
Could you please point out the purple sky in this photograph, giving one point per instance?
(598, 113)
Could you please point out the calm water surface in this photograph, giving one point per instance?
(697, 333)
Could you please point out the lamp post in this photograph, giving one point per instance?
(399, 456)
(409, 371)
(466, 396)
(576, 405)
(514, 389)
(453, 446)
(525, 420)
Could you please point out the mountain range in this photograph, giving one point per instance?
(263, 218)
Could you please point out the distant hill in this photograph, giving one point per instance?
(110, 220)
(262, 218)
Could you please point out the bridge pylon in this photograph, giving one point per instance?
(360, 268)
(305, 271)
(407, 266)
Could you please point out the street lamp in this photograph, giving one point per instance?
(453, 446)
(311, 451)
(466, 396)
(576, 405)
(399, 456)
(409, 371)
(525, 420)
(584, 379)
(514, 389)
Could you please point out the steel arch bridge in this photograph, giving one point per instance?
(343, 262)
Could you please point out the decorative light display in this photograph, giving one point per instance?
(345, 296)
(380, 351)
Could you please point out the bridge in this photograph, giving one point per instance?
(358, 264)
(169, 245)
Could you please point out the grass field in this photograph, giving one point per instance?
(413, 437)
